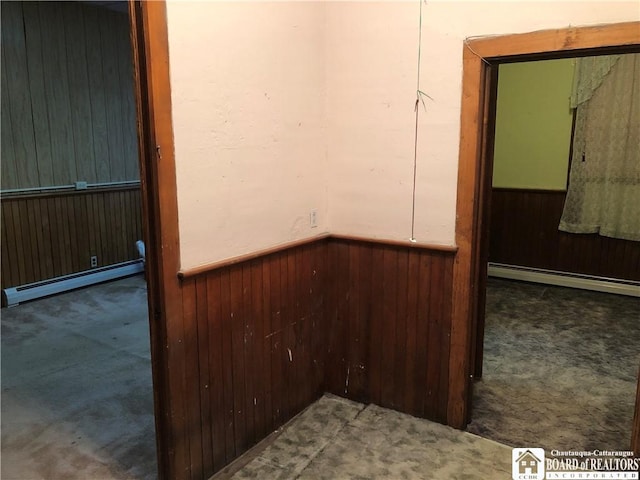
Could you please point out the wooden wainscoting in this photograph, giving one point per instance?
(265, 335)
(389, 319)
(255, 350)
(524, 231)
(45, 236)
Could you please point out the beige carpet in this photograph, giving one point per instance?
(338, 439)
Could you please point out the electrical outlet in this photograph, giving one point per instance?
(94, 261)
(313, 218)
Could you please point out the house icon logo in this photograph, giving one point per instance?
(528, 463)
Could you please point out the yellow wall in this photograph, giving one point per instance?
(533, 125)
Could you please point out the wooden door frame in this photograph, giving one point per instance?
(478, 57)
(150, 50)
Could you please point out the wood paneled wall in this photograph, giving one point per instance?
(45, 236)
(68, 110)
(524, 231)
(254, 343)
(266, 337)
(389, 325)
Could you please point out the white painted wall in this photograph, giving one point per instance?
(279, 108)
(248, 98)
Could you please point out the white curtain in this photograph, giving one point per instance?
(604, 180)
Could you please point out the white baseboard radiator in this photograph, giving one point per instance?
(565, 279)
(15, 295)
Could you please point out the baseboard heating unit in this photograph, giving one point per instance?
(565, 279)
(15, 295)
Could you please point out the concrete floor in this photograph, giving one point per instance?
(76, 386)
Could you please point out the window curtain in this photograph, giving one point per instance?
(604, 180)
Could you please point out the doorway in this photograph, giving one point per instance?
(563, 352)
(75, 214)
(481, 58)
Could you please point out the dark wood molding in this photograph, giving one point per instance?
(150, 53)
(203, 269)
(551, 43)
(482, 237)
(452, 249)
(209, 267)
(478, 56)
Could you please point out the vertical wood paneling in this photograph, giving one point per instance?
(410, 371)
(49, 236)
(247, 321)
(265, 337)
(217, 412)
(398, 301)
(402, 276)
(67, 95)
(31, 12)
(191, 380)
(125, 90)
(205, 379)
(422, 334)
(524, 231)
(242, 383)
(111, 85)
(79, 96)
(8, 162)
(19, 101)
(54, 55)
(257, 344)
(389, 325)
(227, 365)
(276, 339)
(237, 359)
(374, 366)
(97, 93)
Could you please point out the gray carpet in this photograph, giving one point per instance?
(560, 368)
(76, 386)
(338, 439)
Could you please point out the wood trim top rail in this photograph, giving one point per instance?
(399, 243)
(68, 193)
(559, 40)
(55, 188)
(199, 270)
